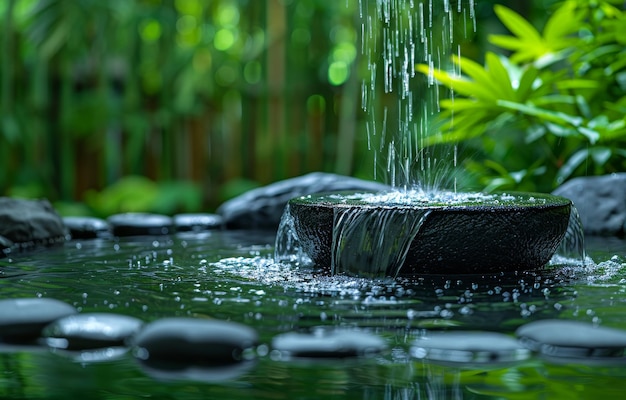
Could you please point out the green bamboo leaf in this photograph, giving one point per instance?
(517, 24)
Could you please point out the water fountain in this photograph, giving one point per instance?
(420, 226)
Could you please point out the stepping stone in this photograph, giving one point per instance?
(572, 339)
(22, 320)
(87, 227)
(197, 222)
(194, 341)
(326, 343)
(90, 331)
(140, 224)
(469, 347)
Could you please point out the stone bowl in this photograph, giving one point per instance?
(519, 231)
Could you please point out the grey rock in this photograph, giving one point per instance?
(28, 223)
(22, 320)
(600, 201)
(326, 343)
(263, 207)
(572, 339)
(194, 341)
(90, 331)
(468, 348)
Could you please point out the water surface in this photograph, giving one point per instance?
(231, 276)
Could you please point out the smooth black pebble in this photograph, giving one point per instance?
(194, 341)
(90, 331)
(572, 339)
(326, 343)
(87, 227)
(22, 320)
(468, 347)
(140, 224)
(197, 222)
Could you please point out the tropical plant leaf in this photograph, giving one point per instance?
(517, 24)
(500, 76)
(547, 115)
(571, 164)
(460, 85)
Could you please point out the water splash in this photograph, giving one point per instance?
(572, 247)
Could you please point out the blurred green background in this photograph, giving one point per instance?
(178, 105)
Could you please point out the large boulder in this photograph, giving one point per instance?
(263, 207)
(27, 223)
(600, 201)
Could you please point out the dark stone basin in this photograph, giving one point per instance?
(519, 231)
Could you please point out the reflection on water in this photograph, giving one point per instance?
(232, 276)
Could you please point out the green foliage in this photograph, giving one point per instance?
(139, 194)
(551, 110)
(211, 92)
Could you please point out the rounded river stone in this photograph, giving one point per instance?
(22, 320)
(326, 344)
(87, 227)
(572, 339)
(469, 347)
(140, 224)
(194, 341)
(90, 331)
(197, 222)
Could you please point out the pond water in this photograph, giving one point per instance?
(229, 275)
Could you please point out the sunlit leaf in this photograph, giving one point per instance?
(517, 24)
(460, 85)
(500, 76)
(552, 116)
(563, 22)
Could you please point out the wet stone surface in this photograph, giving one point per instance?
(22, 320)
(87, 227)
(469, 347)
(194, 341)
(197, 222)
(28, 223)
(326, 343)
(572, 339)
(139, 224)
(90, 330)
